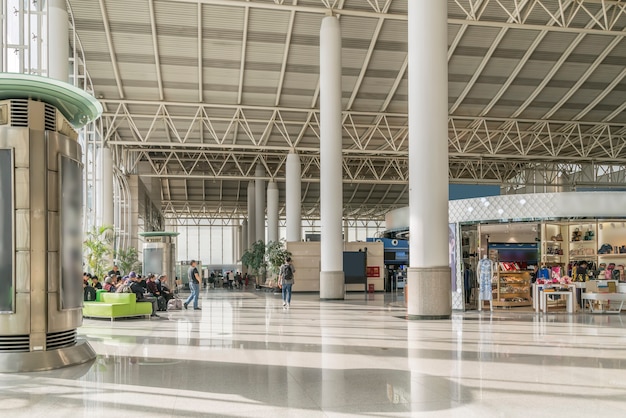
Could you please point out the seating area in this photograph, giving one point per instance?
(116, 305)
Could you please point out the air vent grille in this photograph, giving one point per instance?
(14, 343)
(19, 113)
(51, 118)
(56, 340)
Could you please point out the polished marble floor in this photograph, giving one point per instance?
(244, 355)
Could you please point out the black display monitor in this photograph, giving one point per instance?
(355, 267)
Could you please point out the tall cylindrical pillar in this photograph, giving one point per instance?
(272, 211)
(331, 175)
(244, 237)
(236, 234)
(293, 197)
(259, 173)
(58, 41)
(251, 215)
(106, 196)
(429, 288)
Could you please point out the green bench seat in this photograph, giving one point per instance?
(116, 305)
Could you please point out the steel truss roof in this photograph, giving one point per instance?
(198, 92)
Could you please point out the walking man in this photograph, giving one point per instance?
(286, 280)
(194, 286)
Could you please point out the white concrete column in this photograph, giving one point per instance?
(331, 185)
(107, 202)
(58, 41)
(251, 215)
(260, 202)
(293, 198)
(429, 288)
(243, 242)
(236, 234)
(272, 211)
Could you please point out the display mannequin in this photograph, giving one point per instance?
(485, 274)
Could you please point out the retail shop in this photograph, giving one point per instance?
(512, 249)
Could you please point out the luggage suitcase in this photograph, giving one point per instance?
(175, 305)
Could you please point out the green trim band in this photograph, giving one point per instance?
(78, 107)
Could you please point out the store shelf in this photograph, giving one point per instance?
(511, 304)
(612, 255)
(582, 242)
(583, 257)
(510, 280)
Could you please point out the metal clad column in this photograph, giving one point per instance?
(429, 288)
(251, 216)
(331, 192)
(272, 211)
(58, 41)
(39, 229)
(106, 198)
(260, 203)
(293, 198)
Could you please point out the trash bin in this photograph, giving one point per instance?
(370, 288)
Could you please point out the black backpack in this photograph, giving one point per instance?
(89, 294)
(287, 272)
(162, 303)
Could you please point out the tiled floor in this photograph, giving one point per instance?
(243, 355)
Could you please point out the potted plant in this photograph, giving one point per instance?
(128, 260)
(262, 259)
(276, 254)
(99, 249)
(254, 259)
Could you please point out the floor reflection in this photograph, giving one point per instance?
(243, 355)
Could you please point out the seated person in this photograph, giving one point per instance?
(163, 287)
(109, 286)
(138, 290)
(95, 283)
(152, 287)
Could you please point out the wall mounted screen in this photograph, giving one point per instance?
(7, 248)
(71, 200)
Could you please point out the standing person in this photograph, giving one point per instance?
(194, 286)
(115, 271)
(285, 278)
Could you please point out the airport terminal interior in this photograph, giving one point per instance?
(448, 178)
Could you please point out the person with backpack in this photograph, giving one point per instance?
(286, 281)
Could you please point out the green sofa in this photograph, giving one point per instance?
(116, 305)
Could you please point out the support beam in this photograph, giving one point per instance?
(155, 48)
